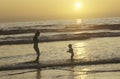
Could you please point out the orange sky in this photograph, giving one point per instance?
(25, 10)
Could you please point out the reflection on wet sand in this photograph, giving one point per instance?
(81, 74)
(38, 74)
(73, 73)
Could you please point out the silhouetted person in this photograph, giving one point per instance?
(36, 40)
(71, 51)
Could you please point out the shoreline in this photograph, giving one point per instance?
(37, 65)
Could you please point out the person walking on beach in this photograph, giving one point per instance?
(71, 51)
(35, 41)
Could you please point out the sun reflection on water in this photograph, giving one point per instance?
(80, 51)
(78, 21)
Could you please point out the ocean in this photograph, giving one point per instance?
(95, 43)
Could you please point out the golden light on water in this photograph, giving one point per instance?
(78, 21)
(80, 51)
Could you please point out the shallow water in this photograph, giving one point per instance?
(85, 50)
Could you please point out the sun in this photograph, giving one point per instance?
(78, 5)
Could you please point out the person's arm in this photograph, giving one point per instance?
(37, 39)
(68, 51)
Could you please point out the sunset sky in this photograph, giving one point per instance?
(25, 10)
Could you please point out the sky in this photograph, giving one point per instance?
(26, 10)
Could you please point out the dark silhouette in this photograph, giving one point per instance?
(38, 74)
(36, 40)
(71, 51)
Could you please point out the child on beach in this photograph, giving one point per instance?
(71, 51)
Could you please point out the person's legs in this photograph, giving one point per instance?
(38, 54)
(72, 56)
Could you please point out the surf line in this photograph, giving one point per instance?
(48, 65)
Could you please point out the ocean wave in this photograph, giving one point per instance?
(57, 63)
(18, 56)
(57, 37)
(56, 28)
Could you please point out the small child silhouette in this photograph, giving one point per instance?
(71, 51)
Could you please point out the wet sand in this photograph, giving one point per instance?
(108, 71)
